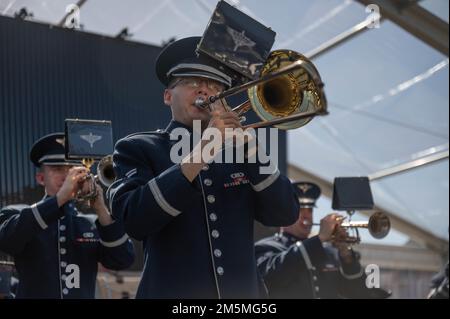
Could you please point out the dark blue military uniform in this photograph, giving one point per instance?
(294, 268)
(52, 244)
(198, 236)
(305, 268)
(44, 240)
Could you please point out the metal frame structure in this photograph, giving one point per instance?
(410, 16)
(416, 20)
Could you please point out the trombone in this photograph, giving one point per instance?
(288, 94)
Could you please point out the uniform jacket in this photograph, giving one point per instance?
(46, 241)
(198, 236)
(306, 269)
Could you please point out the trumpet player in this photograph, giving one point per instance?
(195, 217)
(295, 265)
(56, 248)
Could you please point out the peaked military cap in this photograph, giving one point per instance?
(179, 59)
(307, 193)
(49, 150)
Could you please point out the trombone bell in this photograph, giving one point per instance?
(299, 91)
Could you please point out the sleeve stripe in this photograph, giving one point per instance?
(161, 200)
(38, 217)
(115, 243)
(267, 182)
(131, 173)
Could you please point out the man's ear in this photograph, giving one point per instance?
(167, 97)
(40, 178)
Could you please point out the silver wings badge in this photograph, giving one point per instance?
(91, 138)
(239, 39)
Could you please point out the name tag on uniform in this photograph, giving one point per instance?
(87, 238)
(236, 179)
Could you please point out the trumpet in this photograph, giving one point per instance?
(288, 94)
(105, 172)
(379, 226)
(105, 175)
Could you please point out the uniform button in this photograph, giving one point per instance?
(317, 288)
(62, 251)
(217, 253)
(62, 239)
(315, 278)
(62, 227)
(63, 264)
(215, 233)
(220, 271)
(63, 277)
(213, 217)
(205, 168)
(211, 199)
(208, 182)
(65, 291)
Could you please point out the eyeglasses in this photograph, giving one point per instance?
(195, 83)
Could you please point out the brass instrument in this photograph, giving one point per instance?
(378, 225)
(105, 175)
(105, 171)
(288, 94)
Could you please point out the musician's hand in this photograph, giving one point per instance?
(345, 252)
(327, 227)
(98, 204)
(221, 120)
(211, 144)
(344, 248)
(339, 236)
(73, 182)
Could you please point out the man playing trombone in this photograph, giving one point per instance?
(195, 217)
(55, 248)
(296, 266)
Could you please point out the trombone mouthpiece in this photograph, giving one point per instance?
(199, 103)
